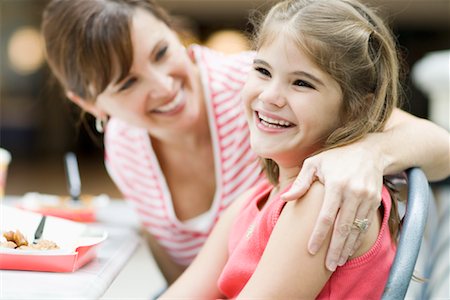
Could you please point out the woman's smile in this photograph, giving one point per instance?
(174, 106)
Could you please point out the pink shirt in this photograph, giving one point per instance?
(363, 277)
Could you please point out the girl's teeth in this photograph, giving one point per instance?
(269, 121)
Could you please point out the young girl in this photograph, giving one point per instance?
(325, 74)
(177, 142)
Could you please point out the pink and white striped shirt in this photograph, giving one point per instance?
(133, 166)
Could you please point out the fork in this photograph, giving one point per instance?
(39, 230)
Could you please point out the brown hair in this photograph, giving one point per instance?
(89, 42)
(350, 42)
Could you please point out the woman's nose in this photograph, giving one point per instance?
(161, 85)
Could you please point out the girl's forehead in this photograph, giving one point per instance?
(280, 32)
(284, 46)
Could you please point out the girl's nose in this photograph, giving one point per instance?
(272, 95)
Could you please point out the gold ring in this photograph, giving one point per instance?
(361, 224)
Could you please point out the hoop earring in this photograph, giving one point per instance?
(100, 125)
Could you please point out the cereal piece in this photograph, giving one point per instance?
(9, 236)
(8, 244)
(19, 239)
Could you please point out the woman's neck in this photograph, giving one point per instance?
(189, 141)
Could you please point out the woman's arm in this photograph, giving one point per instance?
(414, 142)
(352, 176)
(199, 281)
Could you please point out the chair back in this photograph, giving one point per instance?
(410, 235)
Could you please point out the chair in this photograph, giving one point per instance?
(411, 233)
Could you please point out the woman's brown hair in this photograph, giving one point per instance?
(88, 43)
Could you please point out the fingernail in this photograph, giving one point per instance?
(342, 261)
(286, 194)
(313, 248)
(332, 266)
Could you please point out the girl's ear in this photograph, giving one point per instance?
(87, 106)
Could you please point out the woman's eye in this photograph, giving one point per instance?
(127, 84)
(303, 83)
(263, 71)
(160, 54)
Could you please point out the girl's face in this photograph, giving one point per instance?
(162, 91)
(291, 104)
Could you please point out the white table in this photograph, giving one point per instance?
(123, 269)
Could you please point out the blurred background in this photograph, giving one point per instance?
(38, 125)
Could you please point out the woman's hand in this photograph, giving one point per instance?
(353, 178)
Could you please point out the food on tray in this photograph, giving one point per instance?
(40, 245)
(8, 244)
(16, 240)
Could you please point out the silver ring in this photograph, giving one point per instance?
(361, 224)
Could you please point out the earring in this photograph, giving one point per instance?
(100, 125)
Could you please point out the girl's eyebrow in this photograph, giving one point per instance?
(297, 73)
(260, 62)
(310, 76)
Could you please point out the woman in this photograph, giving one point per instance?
(176, 140)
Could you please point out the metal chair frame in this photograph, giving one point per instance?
(411, 234)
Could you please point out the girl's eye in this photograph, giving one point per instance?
(263, 71)
(160, 54)
(127, 84)
(303, 84)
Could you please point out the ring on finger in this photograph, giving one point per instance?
(361, 224)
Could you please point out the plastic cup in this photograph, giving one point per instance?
(5, 159)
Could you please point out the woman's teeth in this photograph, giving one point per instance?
(171, 105)
(272, 123)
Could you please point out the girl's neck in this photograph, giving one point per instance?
(287, 176)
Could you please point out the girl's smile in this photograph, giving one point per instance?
(271, 123)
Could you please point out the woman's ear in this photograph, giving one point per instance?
(85, 105)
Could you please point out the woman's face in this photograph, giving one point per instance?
(162, 91)
(291, 104)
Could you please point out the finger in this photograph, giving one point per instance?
(370, 215)
(325, 221)
(354, 239)
(342, 229)
(302, 183)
